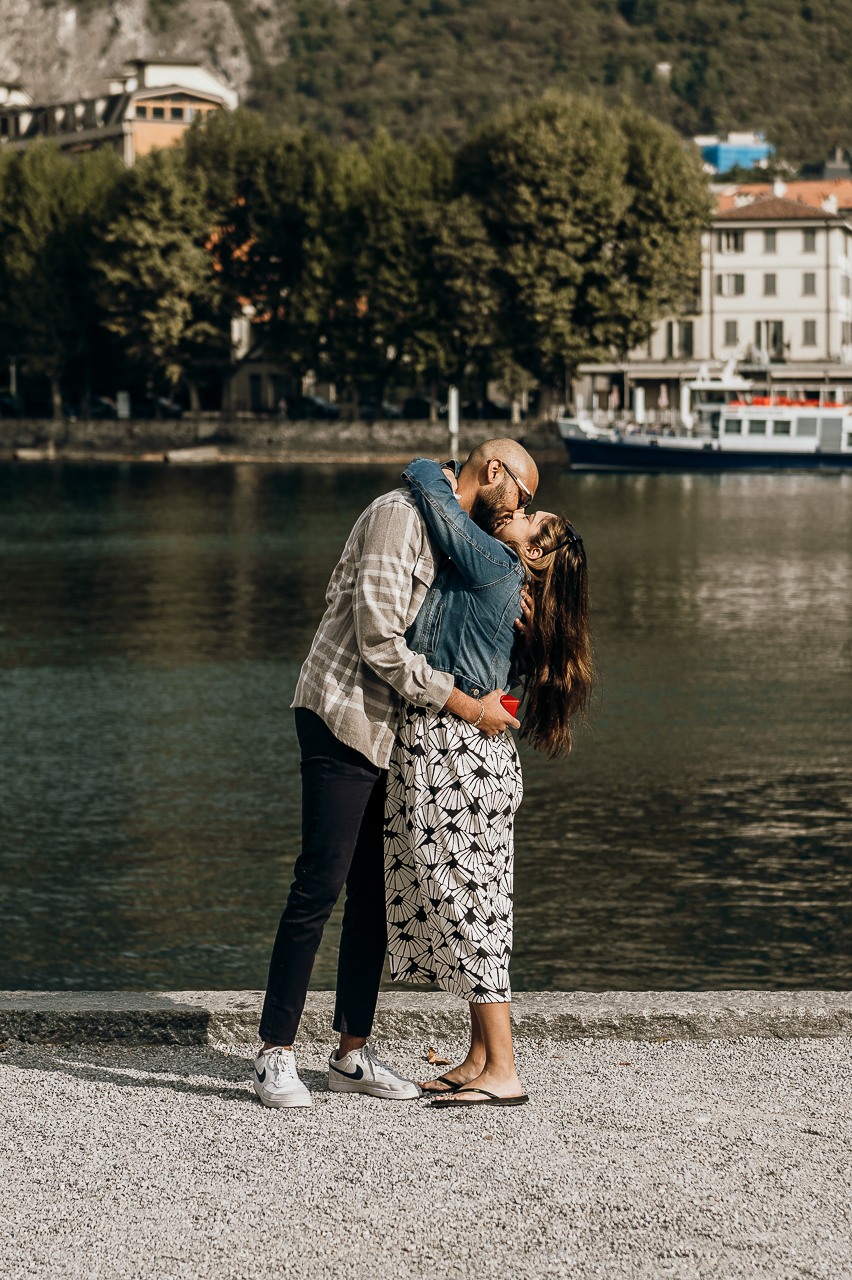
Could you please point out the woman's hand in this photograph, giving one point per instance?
(496, 717)
(524, 624)
(451, 476)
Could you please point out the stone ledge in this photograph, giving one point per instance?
(202, 1017)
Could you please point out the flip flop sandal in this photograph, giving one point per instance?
(490, 1100)
(440, 1093)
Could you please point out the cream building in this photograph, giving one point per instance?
(776, 297)
(151, 106)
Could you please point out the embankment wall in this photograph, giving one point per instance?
(273, 438)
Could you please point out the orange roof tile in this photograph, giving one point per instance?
(811, 192)
(773, 207)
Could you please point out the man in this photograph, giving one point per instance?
(346, 704)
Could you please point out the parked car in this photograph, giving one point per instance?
(146, 407)
(40, 405)
(102, 407)
(299, 407)
(418, 408)
(10, 406)
(370, 409)
(488, 409)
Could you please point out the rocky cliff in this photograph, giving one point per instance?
(61, 50)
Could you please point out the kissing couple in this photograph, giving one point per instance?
(448, 592)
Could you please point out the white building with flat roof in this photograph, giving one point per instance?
(776, 295)
(152, 105)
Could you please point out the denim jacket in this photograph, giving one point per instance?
(466, 623)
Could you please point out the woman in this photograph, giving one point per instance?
(452, 792)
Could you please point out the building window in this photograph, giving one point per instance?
(806, 427)
(158, 113)
(141, 113)
(757, 427)
(781, 428)
(730, 286)
(733, 427)
(670, 340)
(809, 284)
(769, 338)
(177, 113)
(809, 339)
(769, 286)
(731, 338)
(769, 245)
(730, 241)
(846, 332)
(256, 392)
(809, 241)
(4, 128)
(685, 343)
(844, 286)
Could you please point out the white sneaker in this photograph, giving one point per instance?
(361, 1072)
(276, 1081)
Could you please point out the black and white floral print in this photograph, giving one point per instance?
(449, 854)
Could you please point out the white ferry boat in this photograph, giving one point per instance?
(746, 432)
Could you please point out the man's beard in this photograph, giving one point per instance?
(489, 508)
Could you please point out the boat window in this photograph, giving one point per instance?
(831, 433)
(757, 427)
(806, 427)
(781, 428)
(733, 427)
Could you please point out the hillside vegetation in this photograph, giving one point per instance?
(440, 66)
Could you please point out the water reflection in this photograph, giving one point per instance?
(152, 621)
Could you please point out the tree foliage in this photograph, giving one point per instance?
(594, 220)
(155, 276)
(51, 215)
(443, 66)
(560, 231)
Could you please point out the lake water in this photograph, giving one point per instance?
(152, 624)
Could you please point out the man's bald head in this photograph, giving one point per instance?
(487, 490)
(507, 451)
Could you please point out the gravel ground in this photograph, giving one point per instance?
(726, 1159)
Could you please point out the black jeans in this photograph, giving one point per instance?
(343, 809)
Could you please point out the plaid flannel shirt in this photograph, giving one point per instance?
(360, 669)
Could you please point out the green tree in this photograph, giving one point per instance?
(51, 212)
(384, 315)
(468, 340)
(156, 276)
(270, 199)
(594, 217)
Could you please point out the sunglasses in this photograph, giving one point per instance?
(522, 488)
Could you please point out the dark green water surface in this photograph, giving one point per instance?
(152, 623)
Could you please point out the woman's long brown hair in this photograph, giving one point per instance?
(559, 650)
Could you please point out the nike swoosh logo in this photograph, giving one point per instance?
(260, 1077)
(357, 1074)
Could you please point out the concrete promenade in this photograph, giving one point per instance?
(684, 1155)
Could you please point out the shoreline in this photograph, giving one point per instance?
(212, 440)
(231, 1017)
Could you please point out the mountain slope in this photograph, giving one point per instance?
(349, 66)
